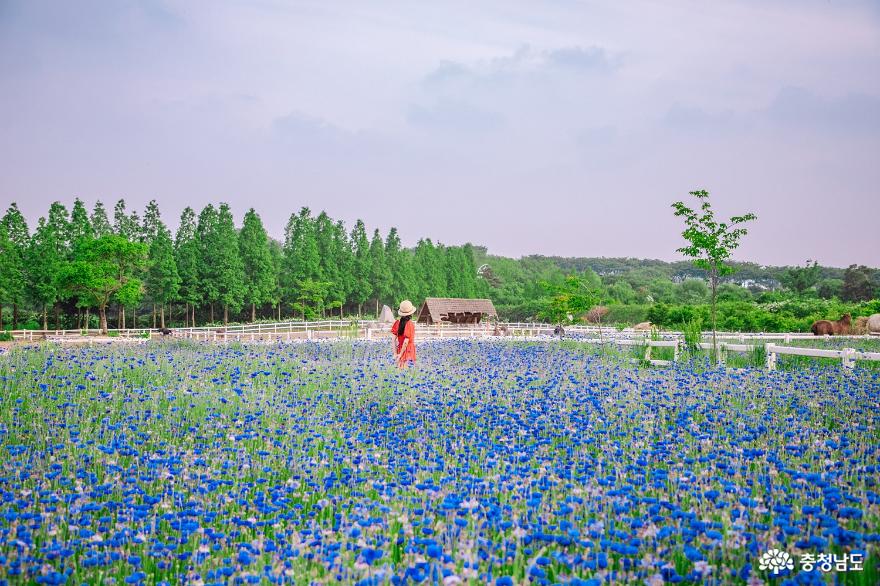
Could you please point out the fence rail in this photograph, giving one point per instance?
(374, 330)
(847, 356)
(511, 328)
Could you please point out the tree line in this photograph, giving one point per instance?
(79, 264)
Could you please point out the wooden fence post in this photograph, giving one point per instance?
(848, 357)
(771, 356)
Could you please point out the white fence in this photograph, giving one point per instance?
(847, 356)
(70, 336)
(373, 330)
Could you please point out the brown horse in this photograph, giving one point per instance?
(825, 327)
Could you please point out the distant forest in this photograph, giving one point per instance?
(82, 267)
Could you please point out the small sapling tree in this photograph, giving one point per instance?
(710, 243)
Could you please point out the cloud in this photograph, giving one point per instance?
(447, 71)
(299, 126)
(597, 137)
(801, 108)
(688, 117)
(541, 93)
(454, 115)
(525, 62)
(312, 138)
(89, 23)
(791, 108)
(589, 58)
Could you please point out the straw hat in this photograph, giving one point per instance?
(406, 308)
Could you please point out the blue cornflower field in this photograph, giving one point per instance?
(492, 462)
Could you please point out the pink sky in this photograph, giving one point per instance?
(558, 128)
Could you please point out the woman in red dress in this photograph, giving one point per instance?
(404, 331)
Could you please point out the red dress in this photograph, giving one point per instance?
(409, 332)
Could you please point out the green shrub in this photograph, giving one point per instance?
(772, 311)
(520, 312)
(626, 314)
(776, 313)
(658, 314)
(5, 337)
(693, 335)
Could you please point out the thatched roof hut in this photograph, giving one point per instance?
(437, 310)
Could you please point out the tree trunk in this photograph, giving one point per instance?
(103, 312)
(154, 316)
(57, 317)
(212, 312)
(162, 317)
(45, 317)
(1, 317)
(15, 316)
(714, 281)
(134, 317)
(225, 314)
(377, 308)
(253, 312)
(121, 320)
(89, 316)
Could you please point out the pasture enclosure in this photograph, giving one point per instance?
(494, 461)
(729, 342)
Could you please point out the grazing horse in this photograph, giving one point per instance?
(825, 327)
